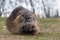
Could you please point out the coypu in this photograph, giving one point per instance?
(23, 21)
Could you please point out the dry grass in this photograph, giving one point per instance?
(50, 30)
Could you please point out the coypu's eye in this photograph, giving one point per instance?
(19, 13)
(22, 15)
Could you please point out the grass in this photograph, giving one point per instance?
(50, 30)
(2, 21)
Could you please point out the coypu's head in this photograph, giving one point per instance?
(26, 22)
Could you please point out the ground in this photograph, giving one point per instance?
(50, 30)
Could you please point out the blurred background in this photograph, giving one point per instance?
(42, 8)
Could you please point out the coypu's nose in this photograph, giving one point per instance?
(28, 21)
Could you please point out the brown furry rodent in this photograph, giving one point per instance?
(23, 21)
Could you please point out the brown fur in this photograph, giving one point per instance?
(14, 24)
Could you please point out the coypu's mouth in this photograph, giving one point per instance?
(28, 29)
